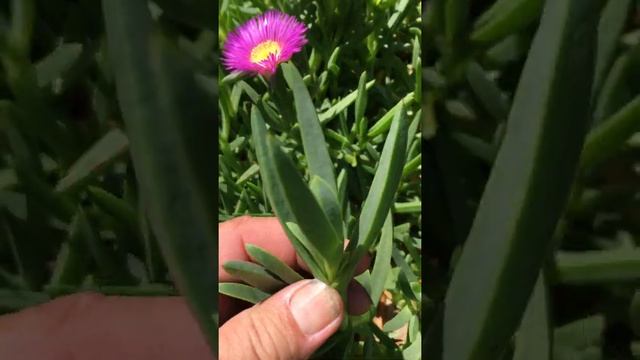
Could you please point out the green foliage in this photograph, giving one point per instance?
(107, 111)
(533, 225)
(506, 239)
(335, 135)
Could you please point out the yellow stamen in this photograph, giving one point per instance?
(262, 51)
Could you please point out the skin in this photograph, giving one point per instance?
(162, 327)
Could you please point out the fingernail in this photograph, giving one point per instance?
(314, 306)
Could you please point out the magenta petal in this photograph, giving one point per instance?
(273, 25)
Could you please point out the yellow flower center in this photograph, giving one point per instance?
(262, 51)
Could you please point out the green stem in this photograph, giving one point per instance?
(590, 267)
(412, 165)
(407, 207)
(608, 137)
(18, 40)
(23, 14)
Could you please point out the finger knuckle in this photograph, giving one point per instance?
(268, 339)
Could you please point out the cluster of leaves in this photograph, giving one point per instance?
(532, 114)
(359, 78)
(107, 110)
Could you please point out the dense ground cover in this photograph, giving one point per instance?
(361, 64)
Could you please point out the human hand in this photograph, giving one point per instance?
(98, 327)
(292, 323)
(89, 325)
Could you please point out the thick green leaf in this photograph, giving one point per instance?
(286, 102)
(242, 292)
(169, 124)
(513, 227)
(456, 14)
(100, 155)
(418, 79)
(396, 18)
(504, 18)
(313, 141)
(593, 267)
(513, 48)
(361, 106)
(328, 200)
(253, 274)
(413, 351)
(618, 87)
(488, 92)
(278, 196)
(385, 184)
(308, 245)
(55, 64)
(414, 333)
(405, 269)
(232, 78)
(309, 216)
(612, 22)
(477, 147)
(342, 182)
(72, 261)
(412, 141)
(610, 136)
(384, 123)
(535, 337)
(495, 8)
(254, 169)
(382, 263)
(273, 264)
(29, 171)
(332, 64)
(114, 206)
(19, 35)
(398, 320)
(341, 105)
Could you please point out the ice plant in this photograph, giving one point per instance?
(263, 42)
(311, 212)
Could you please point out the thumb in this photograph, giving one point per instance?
(290, 325)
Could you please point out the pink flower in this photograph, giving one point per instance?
(263, 42)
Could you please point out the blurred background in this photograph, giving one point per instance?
(72, 214)
(594, 273)
(70, 211)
